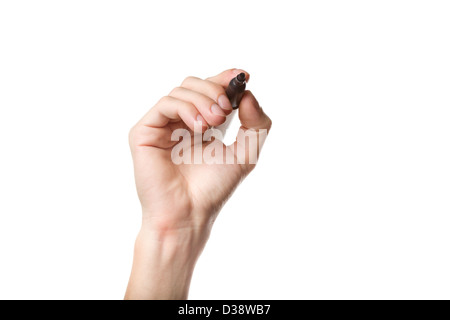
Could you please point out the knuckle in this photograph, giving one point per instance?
(269, 123)
(143, 135)
(175, 91)
(132, 135)
(187, 80)
(164, 100)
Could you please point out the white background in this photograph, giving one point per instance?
(350, 199)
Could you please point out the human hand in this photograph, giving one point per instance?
(181, 201)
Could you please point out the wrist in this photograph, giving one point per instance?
(181, 241)
(165, 256)
(172, 243)
(190, 226)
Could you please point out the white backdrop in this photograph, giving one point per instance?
(350, 199)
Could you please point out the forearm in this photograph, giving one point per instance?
(163, 263)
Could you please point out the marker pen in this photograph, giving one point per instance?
(235, 92)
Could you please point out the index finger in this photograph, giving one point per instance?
(225, 77)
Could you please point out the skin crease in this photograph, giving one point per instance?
(181, 202)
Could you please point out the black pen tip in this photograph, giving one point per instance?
(241, 77)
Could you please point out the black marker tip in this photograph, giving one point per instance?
(235, 90)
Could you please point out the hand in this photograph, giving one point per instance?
(181, 202)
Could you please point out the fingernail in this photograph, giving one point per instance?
(224, 103)
(202, 120)
(217, 110)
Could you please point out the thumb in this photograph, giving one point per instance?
(251, 114)
(253, 132)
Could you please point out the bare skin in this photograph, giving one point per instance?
(181, 202)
